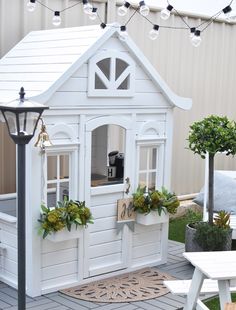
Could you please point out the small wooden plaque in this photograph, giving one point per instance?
(125, 212)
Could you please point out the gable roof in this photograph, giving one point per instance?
(44, 60)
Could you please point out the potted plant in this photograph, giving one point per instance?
(65, 221)
(214, 134)
(153, 206)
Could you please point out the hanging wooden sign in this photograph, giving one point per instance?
(125, 212)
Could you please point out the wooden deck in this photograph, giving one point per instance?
(176, 266)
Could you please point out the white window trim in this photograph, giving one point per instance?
(160, 145)
(72, 151)
(112, 91)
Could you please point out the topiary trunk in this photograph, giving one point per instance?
(210, 204)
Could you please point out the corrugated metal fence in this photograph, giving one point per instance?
(206, 74)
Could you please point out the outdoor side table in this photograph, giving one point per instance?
(220, 266)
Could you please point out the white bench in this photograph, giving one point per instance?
(181, 287)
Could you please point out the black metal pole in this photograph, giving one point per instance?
(21, 226)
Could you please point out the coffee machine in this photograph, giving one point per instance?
(116, 165)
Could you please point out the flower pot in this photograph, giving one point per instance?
(191, 244)
(152, 218)
(65, 234)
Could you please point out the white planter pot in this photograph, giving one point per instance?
(152, 218)
(64, 234)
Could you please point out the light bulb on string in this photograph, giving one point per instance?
(165, 13)
(123, 10)
(196, 39)
(103, 25)
(31, 5)
(192, 32)
(143, 8)
(154, 32)
(93, 14)
(123, 33)
(230, 15)
(56, 20)
(87, 7)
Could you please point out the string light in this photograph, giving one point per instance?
(154, 32)
(123, 33)
(143, 10)
(165, 13)
(103, 25)
(123, 10)
(31, 5)
(196, 39)
(93, 14)
(87, 7)
(230, 14)
(56, 20)
(192, 32)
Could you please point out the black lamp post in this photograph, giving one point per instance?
(21, 117)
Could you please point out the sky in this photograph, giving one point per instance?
(202, 7)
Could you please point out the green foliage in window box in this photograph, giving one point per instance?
(64, 215)
(153, 200)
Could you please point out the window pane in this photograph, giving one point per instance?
(121, 65)
(98, 83)
(125, 84)
(64, 166)
(152, 158)
(104, 65)
(143, 158)
(152, 180)
(52, 195)
(64, 191)
(142, 179)
(52, 167)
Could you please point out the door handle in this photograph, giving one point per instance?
(127, 181)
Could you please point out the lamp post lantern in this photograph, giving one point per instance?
(21, 117)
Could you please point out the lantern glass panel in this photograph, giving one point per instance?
(27, 122)
(11, 121)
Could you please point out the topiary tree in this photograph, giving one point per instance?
(214, 134)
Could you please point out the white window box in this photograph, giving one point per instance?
(152, 218)
(65, 234)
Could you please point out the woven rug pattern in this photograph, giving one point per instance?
(143, 284)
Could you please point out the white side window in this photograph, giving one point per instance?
(58, 177)
(150, 166)
(111, 74)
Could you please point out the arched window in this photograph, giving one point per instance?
(111, 74)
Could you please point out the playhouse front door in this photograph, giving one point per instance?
(107, 176)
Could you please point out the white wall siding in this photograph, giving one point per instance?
(59, 261)
(146, 252)
(8, 259)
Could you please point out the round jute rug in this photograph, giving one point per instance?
(139, 285)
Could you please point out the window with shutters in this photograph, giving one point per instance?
(111, 74)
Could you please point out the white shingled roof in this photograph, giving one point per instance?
(44, 60)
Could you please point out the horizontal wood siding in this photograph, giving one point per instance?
(75, 98)
(59, 262)
(8, 261)
(146, 245)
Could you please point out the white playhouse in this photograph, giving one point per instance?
(106, 102)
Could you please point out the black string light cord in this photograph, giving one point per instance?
(201, 27)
